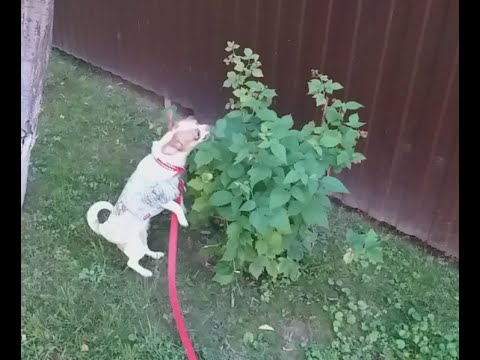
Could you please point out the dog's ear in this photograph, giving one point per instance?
(172, 147)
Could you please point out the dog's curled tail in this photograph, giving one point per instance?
(92, 214)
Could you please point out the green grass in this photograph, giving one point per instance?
(79, 301)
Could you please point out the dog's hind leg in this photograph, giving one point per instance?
(153, 254)
(135, 251)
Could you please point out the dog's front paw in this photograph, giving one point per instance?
(183, 221)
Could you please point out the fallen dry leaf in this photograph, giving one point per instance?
(266, 327)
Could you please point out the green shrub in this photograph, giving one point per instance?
(267, 183)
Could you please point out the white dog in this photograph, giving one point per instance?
(153, 186)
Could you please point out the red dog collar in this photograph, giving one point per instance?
(177, 169)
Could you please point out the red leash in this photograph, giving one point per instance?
(172, 266)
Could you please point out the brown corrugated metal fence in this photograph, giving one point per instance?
(397, 57)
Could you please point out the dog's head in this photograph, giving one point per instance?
(184, 136)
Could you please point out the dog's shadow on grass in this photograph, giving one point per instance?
(190, 241)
